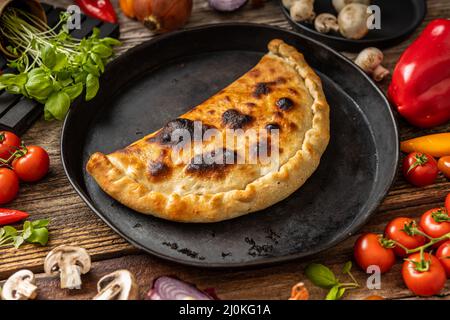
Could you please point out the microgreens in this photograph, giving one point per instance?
(31, 232)
(324, 278)
(53, 67)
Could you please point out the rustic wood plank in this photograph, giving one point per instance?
(73, 223)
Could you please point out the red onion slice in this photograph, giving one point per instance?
(167, 288)
(226, 5)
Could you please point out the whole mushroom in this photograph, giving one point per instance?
(353, 21)
(326, 22)
(119, 285)
(20, 286)
(370, 60)
(303, 11)
(340, 4)
(69, 262)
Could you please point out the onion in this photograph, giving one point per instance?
(167, 288)
(159, 15)
(226, 5)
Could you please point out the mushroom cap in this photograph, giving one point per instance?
(118, 285)
(67, 255)
(325, 22)
(353, 21)
(303, 11)
(10, 292)
(340, 4)
(369, 59)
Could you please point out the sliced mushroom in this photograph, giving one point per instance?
(353, 21)
(288, 3)
(340, 4)
(303, 11)
(20, 286)
(70, 262)
(326, 22)
(119, 285)
(370, 60)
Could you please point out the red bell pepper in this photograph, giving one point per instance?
(100, 9)
(420, 85)
(8, 216)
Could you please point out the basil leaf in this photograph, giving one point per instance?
(347, 267)
(39, 235)
(2, 232)
(60, 61)
(89, 67)
(321, 275)
(340, 293)
(102, 50)
(18, 241)
(48, 56)
(58, 104)
(110, 41)
(333, 293)
(92, 86)
(9, 231)
(39, 86)
(74, 90)
(98, 61)
(40, 223)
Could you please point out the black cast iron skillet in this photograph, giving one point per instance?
(399, 19)
(161, 79)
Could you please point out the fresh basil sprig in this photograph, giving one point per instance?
(53, 68)
(323, 277)
(31, 232)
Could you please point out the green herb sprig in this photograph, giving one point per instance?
(54, 68)
(323, 277)
(31, 232)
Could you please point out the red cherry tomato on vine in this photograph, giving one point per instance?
(420, 169)
(9, 143)
(444, 166)
(443, 254)
(372, 249)
(9, 185)
(435, 223)
(424, 279)
(32, 165)
(447, 203)
(400, 230)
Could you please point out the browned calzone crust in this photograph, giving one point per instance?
(281, 91)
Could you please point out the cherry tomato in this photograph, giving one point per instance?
(426, 282)
(9, 142)
(443, 254)
(9, 185)
(420, 169)
(399, 230)
(447, 203)
(371, 249)
(435, 223)
(444, 166)
(32, 165)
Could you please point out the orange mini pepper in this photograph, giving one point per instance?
(436, 145)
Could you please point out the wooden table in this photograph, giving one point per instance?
(73, 223)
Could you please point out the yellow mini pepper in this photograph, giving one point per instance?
(436, 145)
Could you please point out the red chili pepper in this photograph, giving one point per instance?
(100, 9)
(8, 216)
(420, 85)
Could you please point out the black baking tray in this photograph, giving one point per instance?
(18, 113)
(162, 78)
(399, 19)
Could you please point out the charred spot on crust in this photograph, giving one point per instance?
(165, 135)
(212, 163)
(293, 91)
(250, 104)
(285, 104)
(158, 170)
(262, 88)
(255, 73)
(234, 119)
(272, 126)
(280, 80)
